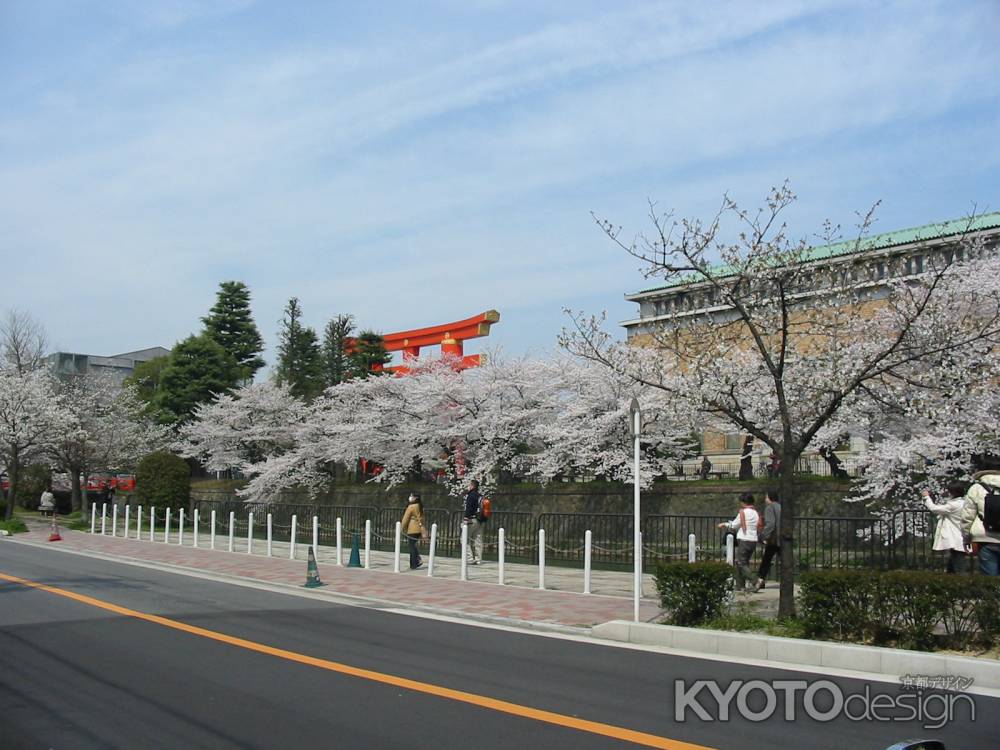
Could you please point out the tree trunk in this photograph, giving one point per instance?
(14, 475)
(746, 460)
(786, 491)
(74, 498)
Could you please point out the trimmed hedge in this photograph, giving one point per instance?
(163, 480)
(692, 593)
(916, 609)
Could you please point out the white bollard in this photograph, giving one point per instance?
(197, 516)
(368, 543)
(138, 523)
(232, 527)
(166, 528)
(501, 554)
(340, 540)
(587, 537)
(432, 550)
(291, 547)
(93, 518)
(114, 520)
(104, 515)
(395, 565)
(692, 548)
(315, 535)
(465, 550)
(250, 533)
(211, 535)
(541, 558)
(127, 509)
(180, 526)
(729, 549)
(269, 534)
(152, 523)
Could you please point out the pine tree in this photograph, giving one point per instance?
(230, 324)
(198, 370)
(300, 362)
(369, 351)
(336, 361)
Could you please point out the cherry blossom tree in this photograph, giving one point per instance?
(782, 343)
(32, 418)
(238, 430)
(109, 429)
(536, 419)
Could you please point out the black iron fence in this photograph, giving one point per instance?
(900, 540)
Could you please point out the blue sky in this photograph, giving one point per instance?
(415, 163)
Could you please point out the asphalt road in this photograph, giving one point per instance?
(74, 675)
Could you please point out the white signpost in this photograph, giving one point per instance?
(635, 424)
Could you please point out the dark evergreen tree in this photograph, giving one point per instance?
(198, 370)
(300, 362)
(369, 351)
(231, 325)
(336, 361)
(146, 378)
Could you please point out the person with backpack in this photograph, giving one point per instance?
(948, 530)
(471, 519)
(746, 525)
(770, 535)
(981, 519)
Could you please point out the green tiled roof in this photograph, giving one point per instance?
(876, 242)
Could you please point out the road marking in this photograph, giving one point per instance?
(493, 704)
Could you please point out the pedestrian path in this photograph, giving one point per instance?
(560, 603)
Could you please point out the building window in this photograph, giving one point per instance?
(734, 441)
(918, 263)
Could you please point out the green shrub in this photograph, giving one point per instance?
(32, 481)
(692, 593)
(14, 525)
(163, 480)
(907, 606)
(986, 610)
(917, 601)
(838, 603)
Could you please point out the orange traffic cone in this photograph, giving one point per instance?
(54, 533)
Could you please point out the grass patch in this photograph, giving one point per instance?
(14, 525)
(743, 620)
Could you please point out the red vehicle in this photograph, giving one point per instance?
(124, 482)
(99, 482)
(117, 482)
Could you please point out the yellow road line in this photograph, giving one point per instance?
(494, 704)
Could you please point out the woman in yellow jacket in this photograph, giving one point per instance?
(413, 527)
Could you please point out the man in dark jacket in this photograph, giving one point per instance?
(474, 552)
(770, 535)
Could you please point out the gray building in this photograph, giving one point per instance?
(119, 366)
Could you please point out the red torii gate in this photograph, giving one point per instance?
(449, 336)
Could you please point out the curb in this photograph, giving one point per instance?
(801, 652)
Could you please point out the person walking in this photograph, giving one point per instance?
(470, 518)
(745, 525)
(770, 535)
(974, 526)
(413, 526)
(948, 531)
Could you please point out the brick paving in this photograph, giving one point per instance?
(561, 603)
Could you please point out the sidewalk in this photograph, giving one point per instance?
(562, 602)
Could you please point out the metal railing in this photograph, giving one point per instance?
(901, 540)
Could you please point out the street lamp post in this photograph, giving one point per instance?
(635, 425)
